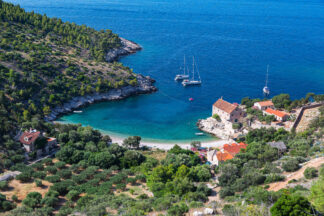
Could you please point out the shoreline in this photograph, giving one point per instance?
(167, 146)
(145, 86)
(161, 144)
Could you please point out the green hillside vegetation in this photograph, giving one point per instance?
(44, 62)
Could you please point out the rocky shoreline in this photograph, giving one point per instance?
(128, 47)
(145, 86)
(219, 129)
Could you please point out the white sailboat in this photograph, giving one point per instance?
(184, 75)
(192, 81)
(266, 90)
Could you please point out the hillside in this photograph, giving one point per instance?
(45, 62)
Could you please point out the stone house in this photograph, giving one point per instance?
(279, 115)
(278, 145)
(227, 111)
(263, 105)
(28, 139)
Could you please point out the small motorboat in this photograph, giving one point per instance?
(191, 99)
(199, 134)
(77, 111)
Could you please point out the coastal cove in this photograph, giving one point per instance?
(232, 41)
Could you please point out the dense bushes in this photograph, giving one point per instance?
(291, 205)
(310, 172)
(5, 205)
(291, 165)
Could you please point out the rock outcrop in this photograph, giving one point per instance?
(128, 47)
(145, 86)
(216, 128)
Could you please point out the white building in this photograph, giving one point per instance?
(263, 105)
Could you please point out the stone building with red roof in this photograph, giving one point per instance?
(227, 111)
(28, 139)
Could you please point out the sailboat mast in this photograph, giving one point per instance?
(267, 76)
(193, 68)
(184, 65)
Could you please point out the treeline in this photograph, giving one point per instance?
(63, 33)
(283, 101)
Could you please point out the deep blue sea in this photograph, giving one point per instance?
(233, 41)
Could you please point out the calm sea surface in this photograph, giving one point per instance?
(233, 41)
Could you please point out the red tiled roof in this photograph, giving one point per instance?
(223, 156)
(276, 112)
(28, 138)
(265, 103)
(225, 106)
(51, 139)
(234, 148)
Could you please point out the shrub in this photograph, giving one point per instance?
(178, 209)
(48, 161)
(121, 186)
(226, 191)
(291, 165)
(310, 172)
(291, 205)
(49, 201)
(3, 185)
(39, 174)
(33, 200)
(6, 205)
(60, 165)
(73, 195)
(321, 170)
(140, 177)
(236, 126)
(14, 198)
(39, 183)
(51, 169)
(24, 177)
(216, 116)
(79, 179)
(131, 181)
(38, 166)
(273, 178)
(53, 178)
(62, 187)
(65, 174)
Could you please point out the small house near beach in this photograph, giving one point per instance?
(227, 111)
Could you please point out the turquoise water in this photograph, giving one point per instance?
(233, 41)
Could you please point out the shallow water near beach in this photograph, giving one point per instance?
(232, 41)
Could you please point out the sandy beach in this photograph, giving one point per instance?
(167, 146)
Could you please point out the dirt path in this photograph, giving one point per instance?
(317, 162)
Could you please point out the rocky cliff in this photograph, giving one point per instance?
(128, 47)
